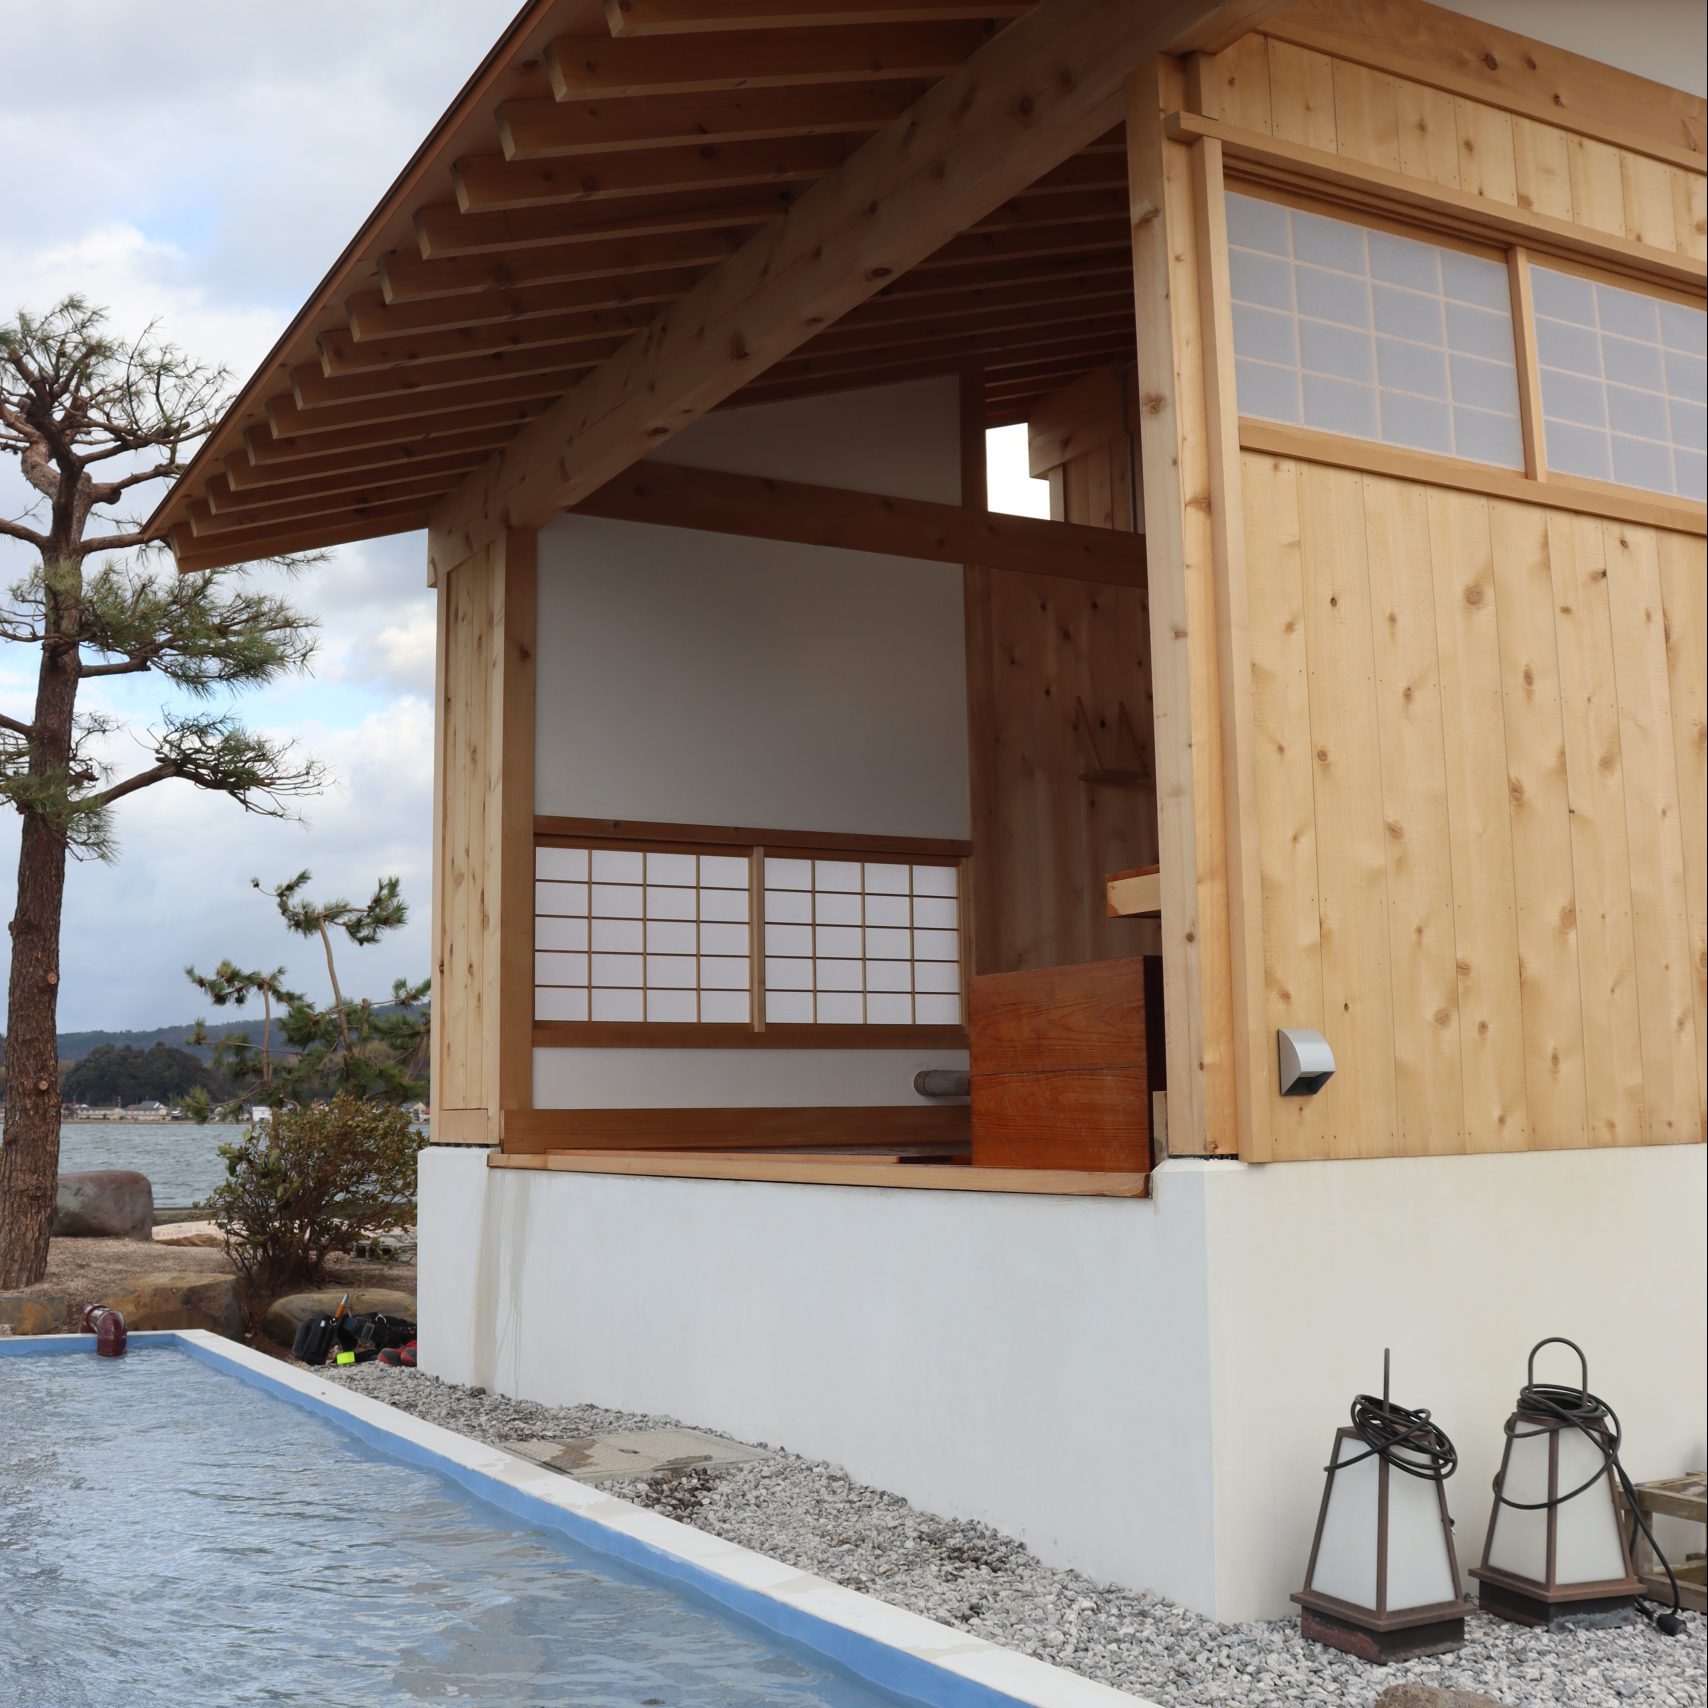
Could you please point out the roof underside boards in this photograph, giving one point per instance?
(595, 168)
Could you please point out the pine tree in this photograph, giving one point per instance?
(94, 419)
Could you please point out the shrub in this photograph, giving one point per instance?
(308, 1183)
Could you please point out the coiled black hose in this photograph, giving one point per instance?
(1599, 1423)
(1410, 1441)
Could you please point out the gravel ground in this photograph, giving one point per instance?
(969, 1576)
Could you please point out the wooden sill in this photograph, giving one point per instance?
(832, 1171)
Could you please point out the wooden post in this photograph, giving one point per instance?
(981, 950)
(1181, 494)
(483, 845)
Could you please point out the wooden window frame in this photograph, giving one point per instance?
(756, 1033)
(1295, 176)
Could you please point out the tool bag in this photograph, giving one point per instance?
(314, 1339)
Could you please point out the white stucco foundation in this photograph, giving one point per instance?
(1144, 1390)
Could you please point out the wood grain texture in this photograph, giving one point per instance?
(1058, 1019)
(1058, 1068)
(483, 842)
(1505, 695)
(672, 495)
(1549, 976)
(1488, 65)
(1659, 886)
(1079, 1118)
(1064, 767)
(837, 1171)
(1175, 455)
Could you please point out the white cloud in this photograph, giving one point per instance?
(225, 156)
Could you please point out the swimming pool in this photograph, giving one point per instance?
(170, 1532)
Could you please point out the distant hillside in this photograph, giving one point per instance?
(74, 1046)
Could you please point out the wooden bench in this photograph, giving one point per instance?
(1683, 1497)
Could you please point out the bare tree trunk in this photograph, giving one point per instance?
(29, 1159)
(337, 995)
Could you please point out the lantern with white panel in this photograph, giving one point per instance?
(1556, 1547)
(1383, 1580)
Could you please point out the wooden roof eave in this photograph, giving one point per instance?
(388, 227)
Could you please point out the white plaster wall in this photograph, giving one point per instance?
(730, 1079)
(1460, 1264)
(1144, 1390)
(695, 678)
(1039, 1363)
(1666, 40)
(901, 439)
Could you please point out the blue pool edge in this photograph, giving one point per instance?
(883, 1646)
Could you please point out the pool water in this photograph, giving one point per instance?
(172, 1535)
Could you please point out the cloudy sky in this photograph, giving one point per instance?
(209, 165)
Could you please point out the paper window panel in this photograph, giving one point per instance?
(1358, 332)
(639, 935)
(851, 942)
(1624, 380)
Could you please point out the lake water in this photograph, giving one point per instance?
(181, 1160)
(173, 1538)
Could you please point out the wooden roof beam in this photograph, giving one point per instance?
(707, 499)
(410, 278)
(220, 510)
(488, 183)
(340, 353)
(603, 68)
(273, 540)
(332, 467)
(443, 229)
(245, 483)
(434, 381)
(543, 129)
(372, 319)
(289, 419)
(689, 17)
(501, 419)
(1035, 93)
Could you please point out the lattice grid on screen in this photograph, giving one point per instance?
(1624, 377)
(638, 935)
(851, 942)
(1351, 330)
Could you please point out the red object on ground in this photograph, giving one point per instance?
(108, 1328)
(400, 1356)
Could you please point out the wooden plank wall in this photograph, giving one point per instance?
(1375, 117)
(1059, 676)
(1479, 723)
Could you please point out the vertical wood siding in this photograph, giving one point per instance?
(1319, 101)
(1480, 731)
(1481, 763)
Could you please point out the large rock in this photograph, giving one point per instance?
(35, 1313)
(107, 1203)
(1433, 1696)
(285, 1315)
(182, 1301)
(205, 1234)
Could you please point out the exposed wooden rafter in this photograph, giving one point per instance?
(750, 199)
(715, 502)
(1033, 96)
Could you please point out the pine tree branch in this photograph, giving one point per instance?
(27, 731)
(130, 667)
(17, 531)
(142, 780)
(122, 542)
